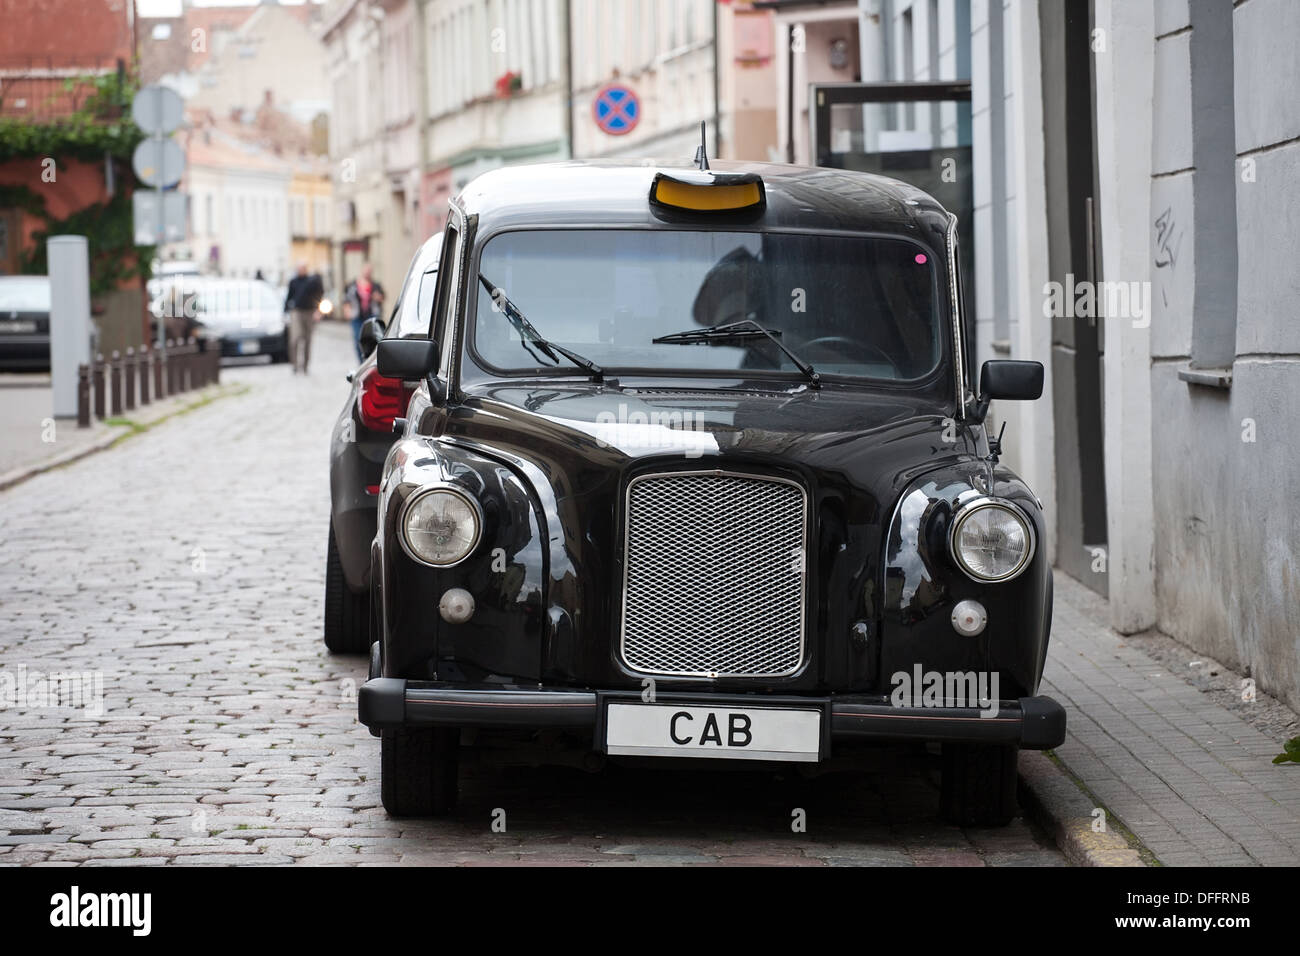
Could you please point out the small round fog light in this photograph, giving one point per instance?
(968, 618)
(456, 606)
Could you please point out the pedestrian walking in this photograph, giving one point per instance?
(303, 305)
(365, 299)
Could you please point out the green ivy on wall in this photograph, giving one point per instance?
(102, 126)
(110, 226)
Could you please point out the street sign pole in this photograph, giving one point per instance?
(160, 225)
(160, 230)
(159, 163)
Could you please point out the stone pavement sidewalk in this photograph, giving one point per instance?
(1191, 778)
(34, 441)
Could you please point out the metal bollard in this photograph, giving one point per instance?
(97, 378)
(145, 366)
(171, 368)
(158, 391)
(83, 395)
(128, 401)
(115, 384)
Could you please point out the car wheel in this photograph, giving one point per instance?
(979, 784)
(347, 615)
(418, 771)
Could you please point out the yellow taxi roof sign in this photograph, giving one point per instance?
(708, 192)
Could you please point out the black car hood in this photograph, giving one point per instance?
(855, 452)
(877, 438)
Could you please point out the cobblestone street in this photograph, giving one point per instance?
(186, 566)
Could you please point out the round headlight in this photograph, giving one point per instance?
(992, 540)
(441, 526)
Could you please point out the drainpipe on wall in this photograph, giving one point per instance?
(789, 97)
(422, 116)
(717, 95)
(568, 76)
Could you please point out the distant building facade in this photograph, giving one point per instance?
(239, 207)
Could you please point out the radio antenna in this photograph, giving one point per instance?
(701, 155)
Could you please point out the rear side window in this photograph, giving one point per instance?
(417, 306)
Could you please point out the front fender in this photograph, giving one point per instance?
(505, 573)
(922, 583)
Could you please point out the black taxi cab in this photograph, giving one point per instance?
(696, 468)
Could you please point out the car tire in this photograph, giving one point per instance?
(419, 771)
(347, 615)
(979, 784)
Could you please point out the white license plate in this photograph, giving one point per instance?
(17, 328)
(250, 347)
(694, 730)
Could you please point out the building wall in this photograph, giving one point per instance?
(661, 50)
(86, 32)
(248, 224)
(1226, 476)
(748, 84)
(310, 215)
(274, 49)
(366, 211)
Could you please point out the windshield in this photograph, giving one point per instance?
(851, 306)
(235, 299)
(25, 295)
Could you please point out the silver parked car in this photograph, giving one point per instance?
(242, 317)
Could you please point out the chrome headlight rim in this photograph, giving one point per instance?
(424, 491)
(971, 508)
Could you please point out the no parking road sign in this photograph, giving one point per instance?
(617, 109)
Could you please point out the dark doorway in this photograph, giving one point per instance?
(1077, 340)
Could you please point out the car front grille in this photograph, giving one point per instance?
(714, 575)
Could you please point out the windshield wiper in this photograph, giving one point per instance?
(529, 334)
(738, 332)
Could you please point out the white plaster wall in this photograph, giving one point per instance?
(1124, 97)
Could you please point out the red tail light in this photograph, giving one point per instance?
(380, 400)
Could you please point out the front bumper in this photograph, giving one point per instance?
(248, 346)
(387, 703)
(25, 353)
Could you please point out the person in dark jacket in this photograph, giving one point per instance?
(303, 305)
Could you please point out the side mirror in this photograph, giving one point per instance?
(407, 359)
(1008, 379)
(372, 330)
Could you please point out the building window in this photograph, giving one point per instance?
(1214, 187)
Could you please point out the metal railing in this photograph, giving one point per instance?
(106, 388)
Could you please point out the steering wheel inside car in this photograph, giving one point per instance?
(842, 344)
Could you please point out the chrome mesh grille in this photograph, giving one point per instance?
(714, 575)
